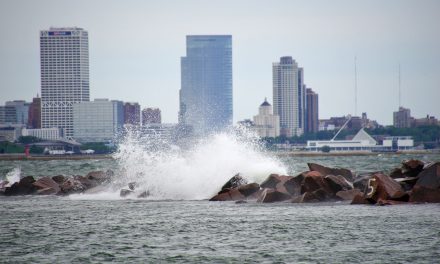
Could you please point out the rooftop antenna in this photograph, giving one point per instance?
(355, 86)
(400, 93)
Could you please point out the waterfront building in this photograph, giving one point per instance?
(64, 55)
(21, 110)
(312, 111)
(159, 133)
(132, 114)
(34, 115)
(425, 121)
(287, 96)
(100, 120)
(44, 133)
(266, 124)
(8, 115)
(10, 133)
(151, 116)
(402, 118)
(362, 141)
(206, 84)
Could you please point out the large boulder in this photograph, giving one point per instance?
(314, 180)
(293, 185)
(23, 187)
(273, 180)
(236, 181)
(337, 183)
(411, 168)
(421, 194)
(271, 195)
(331, 171)
(249, 189)
(59, 179)
(361, 181)
(100, 176)
(318, 195)
(430, 177)
(348, 195)
(383, 187)
(243, 192)
(47, 186)
(74, 185)
(360, 199)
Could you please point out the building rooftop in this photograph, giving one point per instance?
(265, 103)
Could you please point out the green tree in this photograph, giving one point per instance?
(325, 149)
(28, 140)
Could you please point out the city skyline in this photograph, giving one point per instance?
(138, 60)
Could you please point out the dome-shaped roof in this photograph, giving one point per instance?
(265, 103)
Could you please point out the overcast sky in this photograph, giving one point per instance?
(135, 49)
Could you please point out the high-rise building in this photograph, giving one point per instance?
(8, 115)
(21, 110)
(64, 54)
(206, 84)
(97, 121)
(266, 123)
(132, 114)
(151, 116)
(402, 118)
(287, 79)
(312, 114)
(34, 115)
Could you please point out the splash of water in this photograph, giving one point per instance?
(168, 172)
(13, 176)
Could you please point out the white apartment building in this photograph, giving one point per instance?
(288, 96)
(97, 121)
(44, 133)
(64, 55)
(266, 124)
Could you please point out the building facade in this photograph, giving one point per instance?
(132, 114)
(206, 84)
(64, 55)
(402, 118)
(151, 116)
(21, 110)
(100, 120)
(8, 115)
(266, 124)
(312, 111)
(287, 78)
(34, 115)
(44, 133)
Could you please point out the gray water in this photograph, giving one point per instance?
(49, 229)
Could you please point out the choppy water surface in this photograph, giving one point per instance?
(54, 230)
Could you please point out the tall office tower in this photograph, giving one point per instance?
(151, 116)
(206, 84)
(312, 114)
(402, 118)
(132, 114)
(21, 110)
(302, 121)
(286, 75)
(34, 115)
(8, 115)
(64, 54)
(100, 120)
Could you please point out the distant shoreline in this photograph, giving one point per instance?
(276, 153)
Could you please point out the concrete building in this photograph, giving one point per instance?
(312, 111)
(266, 124)
(10, 132)
(151, 116)
(44, 133)
(362, 141)
(21, 110)
(159, 133)
(64, 54)
(8, 115)
(132, 114)
(425, 121)
(100, 120)
(287, 78)
(402, 118)
(206, 84)
(34, 115)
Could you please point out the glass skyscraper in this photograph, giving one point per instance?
(64, 54)
(206, 84)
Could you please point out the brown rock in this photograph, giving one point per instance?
(331, 171)
(360, 199)
(47, 186)
(313, 181)
(221, 197)
(309, 197)
(73, 185)
(383, 187)
(249, 189)
(23, 187)
(100, 176)
(348, 195)
(236, 181)
(361, 182)
(236, 195)
(337, 183)
(271, 181)
(293, 185)
(411, 168)
(421, 194)
(430, 176)
(396, 173)
(59, 179)
(389, 202)
(271, 195)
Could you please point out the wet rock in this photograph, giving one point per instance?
(249, 189)
(421, 194)
(271, 195)
(73, 185)
(361, 182)
(271, 181)
(430, 176)
(310, 197)
(389, 202)
(221, 197)
(23, 187)
(236, 195)
(236, 181)
(331, 171)
(407, 183)
(293, 185)
(348, 195)
(125, 192)
(143, 194)
(338, 183)
(360, 199)
(396, 173)
(240, 202)
(383, 187)
(100, 176)
(411, 168)
(132, 185)
(59, 179)
(313, 180)
(47, 186)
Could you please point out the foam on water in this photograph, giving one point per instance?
(13, 176)
(168, 172)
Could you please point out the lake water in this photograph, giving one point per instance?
(177, 223)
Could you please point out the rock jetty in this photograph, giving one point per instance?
(414, 182)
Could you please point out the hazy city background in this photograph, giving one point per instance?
(135, 49)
